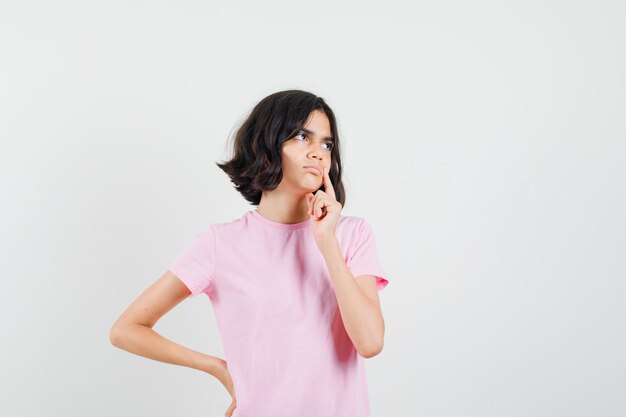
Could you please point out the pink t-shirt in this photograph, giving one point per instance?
(276, 311)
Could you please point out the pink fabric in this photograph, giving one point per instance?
(276, 311)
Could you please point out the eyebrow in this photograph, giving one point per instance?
(310, 132)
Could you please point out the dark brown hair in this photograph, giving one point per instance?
(256, 163)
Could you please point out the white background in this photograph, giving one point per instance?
(484, 142)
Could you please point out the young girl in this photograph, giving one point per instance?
(293, 284)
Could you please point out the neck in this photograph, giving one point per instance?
(283, 207)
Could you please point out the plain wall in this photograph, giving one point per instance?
(483, 141)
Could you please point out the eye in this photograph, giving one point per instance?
(304, 136)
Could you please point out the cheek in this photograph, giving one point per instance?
(290, 158)
(289, 163)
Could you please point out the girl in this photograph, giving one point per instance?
(293, 284)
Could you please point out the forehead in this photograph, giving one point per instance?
(318, 124)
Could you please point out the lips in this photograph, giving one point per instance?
(313, 168)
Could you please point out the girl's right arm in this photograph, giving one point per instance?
(133, 332)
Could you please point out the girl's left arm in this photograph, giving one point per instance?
(358, 302)
(357, 297)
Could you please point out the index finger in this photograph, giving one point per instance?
(328, 186)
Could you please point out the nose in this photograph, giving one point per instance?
(316, 153)
(317, 158)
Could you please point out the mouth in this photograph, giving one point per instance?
(313, 169)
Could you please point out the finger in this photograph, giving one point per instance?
(314, 202)
(316, 207)
(328, 185)
(311, 202)
(312, 206)
(320, 206)
(308, 197)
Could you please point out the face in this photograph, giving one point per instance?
(310, 147)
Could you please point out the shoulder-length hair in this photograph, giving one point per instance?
(256, 163)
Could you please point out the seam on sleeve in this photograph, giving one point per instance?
(214, 260)
(361, 237)
(352, 245)
(362, 225)
(355, 243)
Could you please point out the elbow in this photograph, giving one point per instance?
(116, 335)
(371, 351)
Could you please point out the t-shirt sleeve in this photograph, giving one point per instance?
(363, 259)
(195, 265)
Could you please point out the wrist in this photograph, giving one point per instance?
(327, 244)
(214, 365)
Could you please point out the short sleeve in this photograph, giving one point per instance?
(195, 265)
(363, 257)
